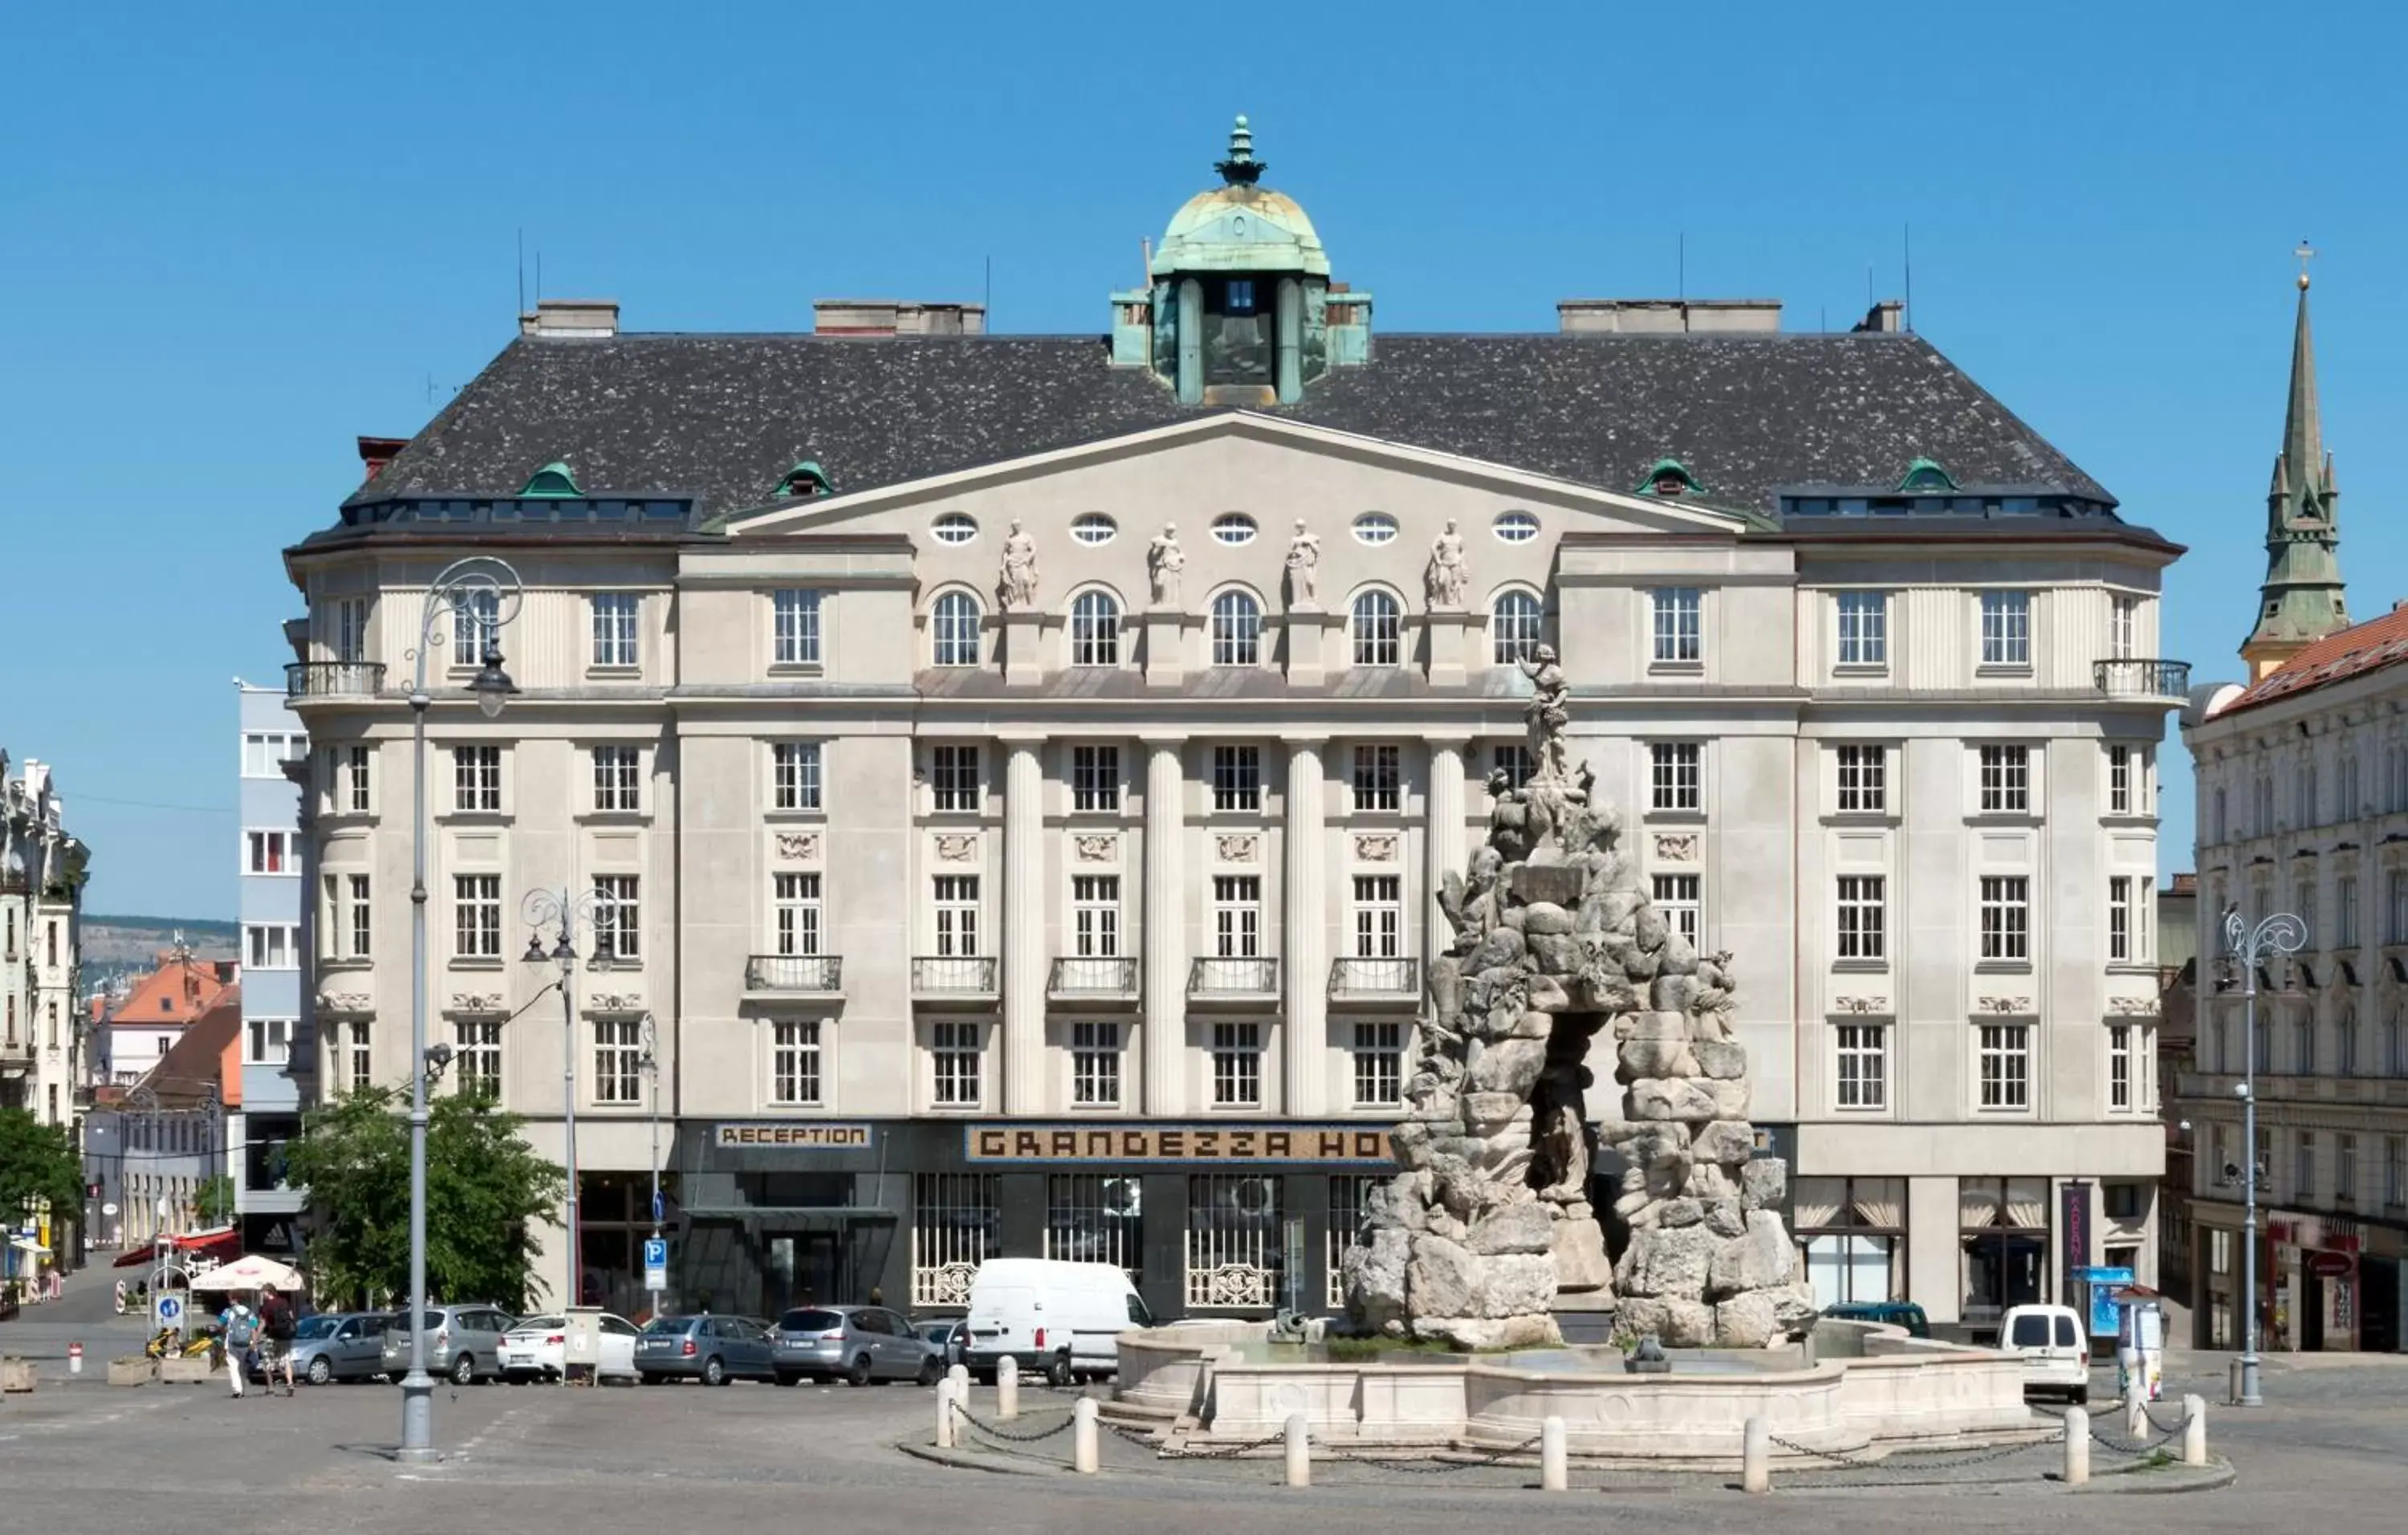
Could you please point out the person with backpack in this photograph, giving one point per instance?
(239, 1327)
(276, 1338)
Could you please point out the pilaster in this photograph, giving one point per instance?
(1443, 839)
(1021, 640)
(1449, 633)
(1305, 1032)
(1166, 928)
(1165, 658)
(1023, 927)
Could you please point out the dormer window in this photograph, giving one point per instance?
(1670, 480)
(553, 478)
(1241, 295)
(803, 481)
(1926, 474)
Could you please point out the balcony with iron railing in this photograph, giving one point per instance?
(332, 680)
(968, 980)
(1231, 979)
(1093, 978)
(2133, 677)
(1392, 978)
(795, 975)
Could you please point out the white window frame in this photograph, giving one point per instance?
(1861, 639)
(797, 917)
(1237, 629)
(795, 775)
(1860, 913)
(2121, 949)
(1861, 1066)
(1238, 779)
(271, 850)
(477, 916)
(956, 627)
(1095, 1064)
(1096, 916)
(268, 946)
(794, 615)
(953, 902)
(2119, 781)
(2122, 1095)
(617, 1062)
(1378, 777)
(265, 753)
(1237, 916)
(1237, 1063)
(1677, 627)
(618, 779)
(356, 794)
(1676, 776)
(1375, 623)
(477, 1055)
(1377, 914)
(957, 1064)
(1682, 899)
(2122, 626)
(796, 1078)
(2005, 904)
(1379, 1063)
(268, 1041)
(1096, 779)
(954, 786)
(1862, 769)
(617, 916)
(351, 641)
(1511, 758)
(1095, 629)
(2002, 1067)
(477, 779)
(2006, 631)
(1517, 621)
(617, 619)
(2003, 778)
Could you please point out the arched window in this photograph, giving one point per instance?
(1513, 626)
(1379, 628)
(953, 628)
(1095, 630)
(2348, 1063)
(1237, 630)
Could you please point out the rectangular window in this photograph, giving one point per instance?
(2346, 900)
(1237, 916)
(2119, 917)
(1349, 1192)
(1378, 1065)
(1378, 916)
(355, 777)
(2119, 1068)
(794, 774)
(2119, 781)
(2006, 779)
(2304, 1166)
(268, 1041)
(1677, 895)
(476, 1057)
(1863, 916)
(351, 629)
(1379, 776)
(795, 1061)
(477, 916)
(1096, 1064)
(614, 628)
(2344, 1170)
(1237, 778)
(356, 1065)
(2395, 898)
(271, 946)
(795, 628)
(362, 926)
(1674, 776)
(476, 778)
(953, 777)
(475, 625)
(618, 918)
(1864, 780)
(1863, 1081)
(957, 1225)
(618, 780)
(1679, 629)
(2395, 1172)
(271, 853)
(2006, 1066)
(957, 915)
(1236, 1066)
(2006, 628)
(1095, 915)
(1094, 778)
(2123, 626)
(618, 1060)
(2006, 916)
(1236, 1257)
(1513, 759)
(1237, 630)
(1094, 1217)
(954, 1051)
(266, 753)
(2303, 1042)
(1864, 629)
(794, 914)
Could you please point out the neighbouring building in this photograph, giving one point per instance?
(152, 1145)
(1018, 771)
(2303, 809)
(43, 1042)
(160, 1006)
(276, 1065)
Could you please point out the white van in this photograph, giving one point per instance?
(2054, 1345)
(1062, 1319)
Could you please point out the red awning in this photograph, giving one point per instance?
(224, 1244)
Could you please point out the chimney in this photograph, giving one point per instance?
(586, 317)
(895, 316)
(376, 452)
(1885, 318)
(1667, 316)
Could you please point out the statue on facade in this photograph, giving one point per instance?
(1303, 568)
(1547, 712)
(1448, 572)
(1164, 560)
(1018, 589)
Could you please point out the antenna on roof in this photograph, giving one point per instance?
(538, 274)
(521, 269)
(986, 298)
(1681, 268)
(1869, 300)
(1906, 243)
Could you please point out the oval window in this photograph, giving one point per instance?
(1233, 527)
(1516, 527)
(1094, 527)
(1375, 528)
(954, 527)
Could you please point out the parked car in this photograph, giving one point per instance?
(1897, 1313)
(2055, 1349)
(713, 1350)
(338, 1346)
(462, 1342)
(1062, 1319)
(950, 1336)
(862, 1343)
(538, 1348)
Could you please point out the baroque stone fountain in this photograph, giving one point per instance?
(1490, 1221)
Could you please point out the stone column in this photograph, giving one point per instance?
(1166, 928)
(1023, 914)
(1442, 838)
(1305, 1031)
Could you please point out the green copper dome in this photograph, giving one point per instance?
(1240, 226)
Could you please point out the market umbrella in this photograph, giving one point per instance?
(251, 1273)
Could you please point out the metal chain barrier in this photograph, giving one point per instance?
(2136, 1447)
(991, 1431)
(2166, 1428)
(1912, 1465)
(1427, 1465)
(1231, 1452)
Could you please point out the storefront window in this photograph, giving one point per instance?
(1348, 1193)
(1852, 1232)
(1090, 1218)
(955, 1227)
(2003, 1227)
(1233, 1253)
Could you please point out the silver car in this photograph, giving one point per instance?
(339, 1346)
(862, 1343)
(464, 1342)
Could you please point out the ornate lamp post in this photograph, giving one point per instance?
(562, 911)
(485, 592)
(2244, 946)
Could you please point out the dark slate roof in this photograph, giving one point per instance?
(722, 418)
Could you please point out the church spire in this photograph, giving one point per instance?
(2300, 601)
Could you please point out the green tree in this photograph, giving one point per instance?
(484, 1190)
(38, 1163)
(213, 1201)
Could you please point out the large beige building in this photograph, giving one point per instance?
(1023, 767)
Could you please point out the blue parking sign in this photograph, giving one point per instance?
(656, 1264)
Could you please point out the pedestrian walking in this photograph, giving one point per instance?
(239, 1328)
(276, 1338)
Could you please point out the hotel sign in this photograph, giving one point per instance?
(803, 1136)
(1358, 1144)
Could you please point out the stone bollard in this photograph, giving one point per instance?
(960, 1376)
(1299, 1452)
(1756, 1456)
(2193, 1431)
(1083, 1436)
(945, 1414)
(1554, 1475)
(1006, 1390)
(2136, 1414)
(2077, 1447)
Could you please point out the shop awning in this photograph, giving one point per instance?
(224, 1243)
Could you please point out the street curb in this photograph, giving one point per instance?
(2163, 1481)
(954, 1461)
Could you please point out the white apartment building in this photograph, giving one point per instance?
(276, 1075)
(1018, 770)
(42, 874)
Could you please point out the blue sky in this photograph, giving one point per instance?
(232, 239)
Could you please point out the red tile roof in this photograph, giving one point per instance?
(2359, 648)
(172, 996)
